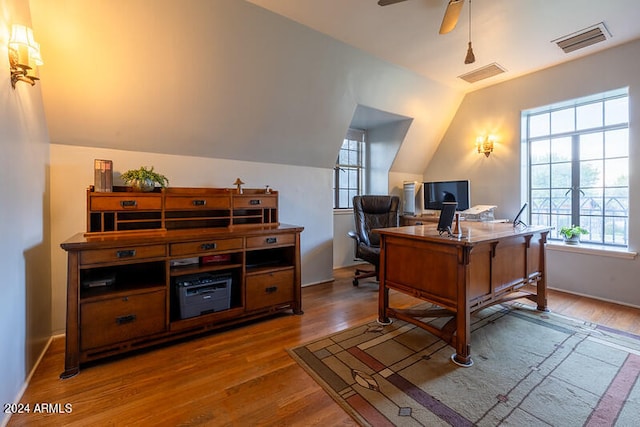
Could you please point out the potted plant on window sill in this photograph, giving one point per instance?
(144, 179)
(571, 235)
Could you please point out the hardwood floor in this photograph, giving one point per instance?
(241, 376)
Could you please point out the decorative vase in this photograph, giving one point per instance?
(573, 240)
(144, 185)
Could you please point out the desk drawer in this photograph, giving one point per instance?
(119, 319)
(196, 202)
(205, 246)
(122, 254)
(268, 289)
(270, 240)
(254, 201)
(126, 203)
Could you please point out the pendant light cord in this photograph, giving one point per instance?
(469, 20)
(470, 58)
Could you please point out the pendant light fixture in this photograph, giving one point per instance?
(470, 58)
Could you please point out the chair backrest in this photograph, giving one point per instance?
(371, 212)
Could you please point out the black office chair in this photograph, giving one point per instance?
(371, 212)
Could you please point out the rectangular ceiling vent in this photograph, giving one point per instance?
(482, 73)
(583, 38)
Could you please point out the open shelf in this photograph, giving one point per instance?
(181, 271)
(113, 280)
(178, 208)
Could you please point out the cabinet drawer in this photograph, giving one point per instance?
(110, 321)
(122, 254)
(254, 201)
(126, 203)
(267, 289)
(212, 245)
(196, 202)
(270, 240)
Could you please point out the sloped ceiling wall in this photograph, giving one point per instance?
(221, 79)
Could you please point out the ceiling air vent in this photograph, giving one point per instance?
(482, 73)
(583, 38)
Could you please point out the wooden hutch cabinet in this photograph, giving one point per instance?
(154, 267)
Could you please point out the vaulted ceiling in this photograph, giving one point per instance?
(280, 81)
(516, 34)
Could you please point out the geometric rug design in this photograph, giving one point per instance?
(530, 368)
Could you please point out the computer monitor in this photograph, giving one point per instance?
(438, 192)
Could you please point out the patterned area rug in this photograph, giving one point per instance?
(530, 369)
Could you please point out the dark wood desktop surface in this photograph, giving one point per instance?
(419, 219)
(490, 263)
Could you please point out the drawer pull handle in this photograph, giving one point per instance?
(128, 203)
(271, 240)
(255, 201)
(271, 289)
(199, 202)
(126, 254)
(208, 246)
(122, 320)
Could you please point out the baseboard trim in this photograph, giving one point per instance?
(7, 417)
(580, 294)
(321, 282)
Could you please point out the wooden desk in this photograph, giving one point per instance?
(419, 219)
(489, 264)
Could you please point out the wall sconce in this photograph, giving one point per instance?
(484, 144)
(24, 52)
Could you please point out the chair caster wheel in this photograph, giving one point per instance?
(355, 282)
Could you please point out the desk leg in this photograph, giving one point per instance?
(383, 291)
(462, 357)
(541, 292)
(541, 295)
(383, 304)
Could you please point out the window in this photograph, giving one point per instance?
(348, 177)
(577, 162)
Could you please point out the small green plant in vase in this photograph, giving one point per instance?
(572, 234)
(144, 179)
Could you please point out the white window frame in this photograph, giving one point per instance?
(605, 236)
(350, 169)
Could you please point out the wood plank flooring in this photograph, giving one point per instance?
(239, 377)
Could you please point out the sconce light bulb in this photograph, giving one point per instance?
(24, 52)
(484, 144)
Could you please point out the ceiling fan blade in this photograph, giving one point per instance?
(388, 2)
(451, 16)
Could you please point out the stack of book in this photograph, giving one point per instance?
(103, 175)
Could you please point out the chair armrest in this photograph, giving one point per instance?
(354, 236)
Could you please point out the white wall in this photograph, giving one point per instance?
(305, 199)
(222, 79)
(383, 143)
(25, 305)
(343, 245)
(496, 180)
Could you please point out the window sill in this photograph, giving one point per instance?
(345, 211)
(588, 249)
